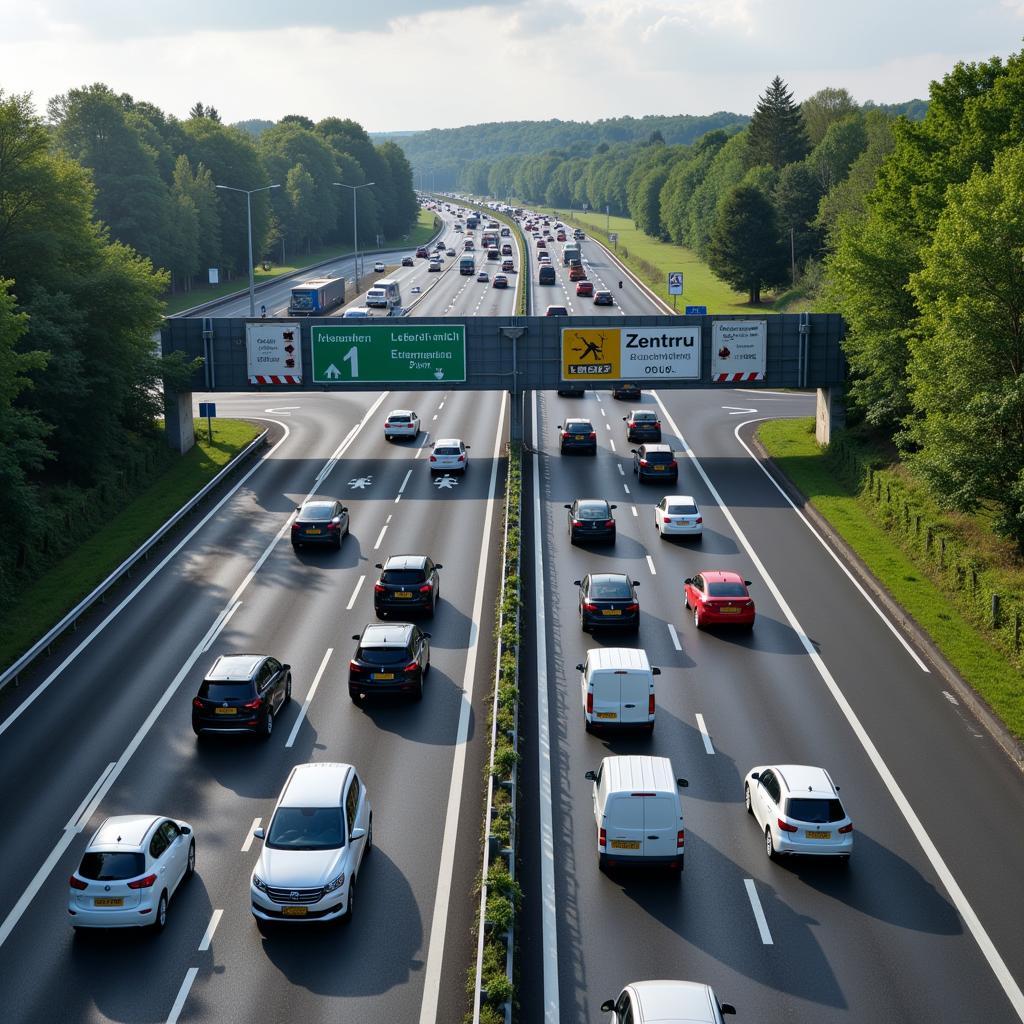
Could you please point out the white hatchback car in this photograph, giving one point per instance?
(321, 829)
(378, 267)
(677, 515)
(666, 1002)
(131, 868)
(401, 423)
(449, 455)
(798, 810)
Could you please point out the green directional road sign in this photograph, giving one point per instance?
(387, 352)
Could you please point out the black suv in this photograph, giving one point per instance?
(320, 521)
(642, 425)
(242, 693)
(655, 462)
(608, 600)
(407, 583)
(577, 436)
(390, 659)
(591, 519)
(627, 389)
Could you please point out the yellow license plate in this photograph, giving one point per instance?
(383, 675)
(625, 844)
(108, 901)
(819, 835)
(403, 593)
(294, 911)
(226, 711)
(317, 530)
(612, 611)
(657, 469)
(729, 611)
(607, 714)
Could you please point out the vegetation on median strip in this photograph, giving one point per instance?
(941, 568)
(60, 588)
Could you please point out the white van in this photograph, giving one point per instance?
(617, 689)
(638, 813)
(384, 294)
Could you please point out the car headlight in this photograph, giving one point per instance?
(259, 883)
(335, 883)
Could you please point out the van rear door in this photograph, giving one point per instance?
(661, 825)
(624, 815)
(634, 697)
(606, 689)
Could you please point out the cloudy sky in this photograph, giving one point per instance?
(412, 64)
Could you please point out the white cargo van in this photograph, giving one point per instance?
(617, 689)
(638, 813)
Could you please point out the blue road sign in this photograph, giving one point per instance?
(207, 410)
(696, 310)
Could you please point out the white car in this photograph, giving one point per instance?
(677, 515)
(378, 267)
(666, 1002)
(132, 866)
(798, 810)
(321, 829)
(449, 455)
(401, 423)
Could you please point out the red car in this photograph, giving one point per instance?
(585, 288)
(718, 597)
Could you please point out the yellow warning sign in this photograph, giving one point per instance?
(591, 352)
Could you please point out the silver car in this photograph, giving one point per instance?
(450, 455)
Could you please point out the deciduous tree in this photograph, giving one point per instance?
(745, 250)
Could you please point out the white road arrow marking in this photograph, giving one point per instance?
(738, 411)
(445, 483)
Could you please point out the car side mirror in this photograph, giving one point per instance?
(613, 507)
(625, 419)
(185, 830)
(632, 451)
(727, 1008)
(380, 565)
(688, 580)
(286, 668)
(355, 636)
(608, 1005)
(682, 783)
(298, 508)
(427, 635)
(468, 446)
(438, 565)
(259, 833)
(636, 583)
(748, 583)
(577, 583)
(579, 667)
(344, 508)
(755, 775)
(559, 427)
(655, 671)
(357, 833)
(568, 506)
(591, 776)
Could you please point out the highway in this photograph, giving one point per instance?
(924, 924)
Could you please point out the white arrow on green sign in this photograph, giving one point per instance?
(385, 353)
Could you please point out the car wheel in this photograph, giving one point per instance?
(296, 545)
(748, 627)
(268, 727)
(697, 620)
(369, 836)
(746, 798)
(611, 539)
(433, 606)
(347, 916)
(190, 864)
(589, 726)
(426, 668)
(160, 921)
(769, 844)
(356, 699)
(288, 689)
(417, 694)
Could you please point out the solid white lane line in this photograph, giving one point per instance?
(380, 536)
(309, 696)
(224, 619)
(355, 593)
(87, 807)
(446, 866)
(204, 945)
(249, 837)
(708, 745)
(650, 565)
(755, 903)
(179, 1002)
(675, 637)
(622, 472)
(549, 918)
(832, 554)
(956, 894)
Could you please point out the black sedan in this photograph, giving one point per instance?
(241, 693)
(627, 389)
(642, 425)
(608, 601)
(407, 583)
(319, 521)
(591, 519)
(390, 659)
(408, 261)
(577, 435)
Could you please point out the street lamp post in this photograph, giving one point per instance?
(355, 234)
(248, 193)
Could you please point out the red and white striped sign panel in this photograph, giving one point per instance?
(273, 352)
(738, 350)
(273, 379)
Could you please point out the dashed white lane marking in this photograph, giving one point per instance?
(607, 426)
(204, 945)
(755, 903)
(603, 413)
(402, 488)
(179, 1002)
(355, 594)
(440, 407)
(388, 520)
(611, 441)
(380, 536)
(310, 695)
(434, 416)
(249, 837)
(708, 745)
(650, 565)
(635, 513)
(675, 637)
(625, 487)
(622, 472)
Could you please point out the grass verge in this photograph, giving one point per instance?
(421, 233)
(942, 569)
(58, 590)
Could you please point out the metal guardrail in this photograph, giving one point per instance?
(12, 672)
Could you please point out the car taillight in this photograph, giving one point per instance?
(590, 703)
(667, 520)
(632, 607)
(748, 604)
(354, 666)
(650, 704)
(577, 522)
(295, 525)
(592, 435)
(565, 434)
(699, 519)
(786, 827)
(609, 522)
(433, 458)
(378, 588)
(426, 588)
(462, 458)
(657, 424)
(77, 883)
(253, 705)
(672, 464)
(680, 839)
(589, 606)
(142, 883)
(196, 702)
(334, 526)
(412, 666)
(846, 829)
(602, 838)
(643, 462)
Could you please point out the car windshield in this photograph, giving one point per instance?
(113, 866)
(815, 810)
(306, 828)
(399, 419)
(402, 576)
(579, 427)
(644, 417)
(446, 451)
(609, 587)
(225, 691)
(659, 457)
(727, 590)
(593, 510)
(383, 655)
(317, 513)
(682, 510)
